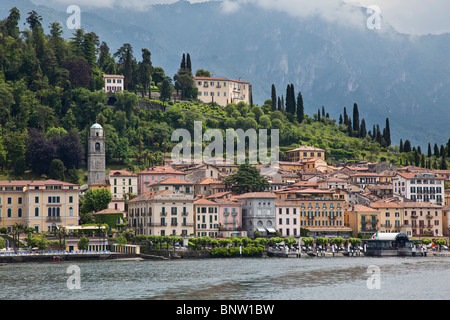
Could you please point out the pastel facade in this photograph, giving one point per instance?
(113, 83)
(122, 182)
(42, 205)
(223, 91)
(153, 175)
(419, 187)
(258, 212)
(362, 219)
(305, 152)
(206, 220)
(162, 213)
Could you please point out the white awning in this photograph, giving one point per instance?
(261, 229)
(271, 230)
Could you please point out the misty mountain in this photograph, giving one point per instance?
(333, 64)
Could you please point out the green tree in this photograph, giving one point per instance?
(83, 243)
(247, 179)
(56, 170)
(96, 200)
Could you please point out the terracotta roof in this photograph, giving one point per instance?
(411, 175)
(420, 205)
(203, 201)
(251, 195)
(360, 207)
(173, 181)
(305, 148)
(109, 211)
(383, 204)
(121, 173)
(208, 181)
(23, 183)
(218, 195)
(161, 170)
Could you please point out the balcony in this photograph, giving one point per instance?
(53, 219)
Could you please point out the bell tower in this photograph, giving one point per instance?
(96, 154)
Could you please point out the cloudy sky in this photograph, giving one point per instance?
(407, 16)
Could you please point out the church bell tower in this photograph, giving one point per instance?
(96, 154)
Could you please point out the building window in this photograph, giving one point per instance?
(36, 212)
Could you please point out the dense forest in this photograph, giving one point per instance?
(51, 93)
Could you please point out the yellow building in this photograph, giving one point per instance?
(392, 218)
(362, 219)
(223, 91)
(42, 205)
(305, 152)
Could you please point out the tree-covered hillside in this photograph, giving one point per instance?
(51, 93)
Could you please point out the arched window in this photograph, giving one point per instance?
(36, 212)
(97, 146)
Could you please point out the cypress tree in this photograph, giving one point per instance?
(362, 129)
(274, 98)
(300, 108)
(318, 114)
(355, 118)
(429, 154)
(345, 116)
(436, 150)
(349, 127)
(341, 121)
(323, 112)
(387, 134)
(279, 104)
(183, 62)
(188, 62)
(407, 146)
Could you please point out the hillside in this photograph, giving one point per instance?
(51, 94)
(333, 62)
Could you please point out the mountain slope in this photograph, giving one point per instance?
(333, 64)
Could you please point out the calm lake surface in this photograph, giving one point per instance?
(303, 278)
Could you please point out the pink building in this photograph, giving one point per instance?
(154, 175)
(230, 218)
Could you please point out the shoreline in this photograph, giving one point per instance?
(178, 255)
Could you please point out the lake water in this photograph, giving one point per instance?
(305, 278)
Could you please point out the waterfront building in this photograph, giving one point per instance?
(392, 217)
(419, 187)
(362, 219)
(323, 217)
(162, 213)
(206, 219)
(424, 218)
(42, 205)
(223, 91)
(258, 212)
(230, 218)
(288, 218)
